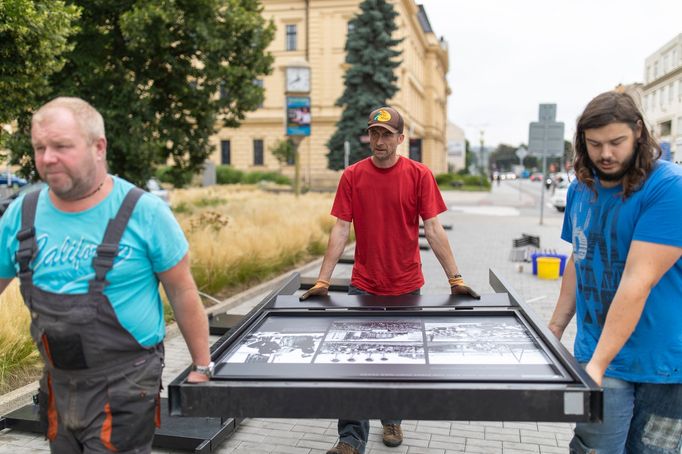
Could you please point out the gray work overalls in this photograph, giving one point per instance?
(100, 388)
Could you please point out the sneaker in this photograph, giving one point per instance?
(393, 435)
(343, 448)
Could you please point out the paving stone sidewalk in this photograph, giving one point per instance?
(480, 241)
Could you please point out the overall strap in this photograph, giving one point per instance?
(26, 236)
(108, 249)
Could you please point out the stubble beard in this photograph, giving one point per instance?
(386, 155)
(614, 176)
(77, 186)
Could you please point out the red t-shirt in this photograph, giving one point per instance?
(384, 206)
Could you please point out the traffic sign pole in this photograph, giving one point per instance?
(546, 137)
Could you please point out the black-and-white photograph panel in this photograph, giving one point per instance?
(281, 340)
(375, 331)
(482, 340)
(274, 347)
(370, 353)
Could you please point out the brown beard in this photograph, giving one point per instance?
(612, 177)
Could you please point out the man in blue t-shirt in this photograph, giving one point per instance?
(624, 280)
(90, 250)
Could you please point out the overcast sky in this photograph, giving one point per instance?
(507, 57)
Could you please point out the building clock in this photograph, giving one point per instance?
(298, 79)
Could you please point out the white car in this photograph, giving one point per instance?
(558, 199)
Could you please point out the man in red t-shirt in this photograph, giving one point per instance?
(384, 196)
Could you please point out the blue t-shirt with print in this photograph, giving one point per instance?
(153, 242)
(601, 231)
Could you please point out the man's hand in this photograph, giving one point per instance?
(459, 287)
(321, 288)
(594, 371)
(556, 330)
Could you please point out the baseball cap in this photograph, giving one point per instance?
(386, 117)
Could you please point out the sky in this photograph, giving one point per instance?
(507, 57)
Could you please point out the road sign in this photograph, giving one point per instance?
(546, 136)
(521, 153)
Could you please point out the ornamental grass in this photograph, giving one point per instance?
(239, 236)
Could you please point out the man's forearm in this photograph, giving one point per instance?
(335, 247)
(565, 307)
(193, 323)
(621, 320)
(438, 240)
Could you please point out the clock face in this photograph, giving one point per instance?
(298, 79)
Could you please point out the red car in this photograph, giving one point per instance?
(537, 176)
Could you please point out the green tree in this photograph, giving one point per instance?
(283, 151)
(163, 73)
(34, 36)
(504, 157)
(370, 80)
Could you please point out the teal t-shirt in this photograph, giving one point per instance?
(153, 242)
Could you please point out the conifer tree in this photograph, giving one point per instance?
(370, 80)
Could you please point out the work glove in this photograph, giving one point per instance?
(321, 288)
(459, 287)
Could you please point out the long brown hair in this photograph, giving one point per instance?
(607, 108)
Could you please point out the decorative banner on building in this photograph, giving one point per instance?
(298, 115)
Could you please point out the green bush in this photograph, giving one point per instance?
(445, 178)
(166, 174)
(476, 180)
(228, 175)
(255, 177)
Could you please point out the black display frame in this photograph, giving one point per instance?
(576, 397)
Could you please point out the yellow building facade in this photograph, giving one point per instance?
(313, 33)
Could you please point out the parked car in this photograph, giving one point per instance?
(14, 181)
(558, 199)
(536, 176)
(155, 188)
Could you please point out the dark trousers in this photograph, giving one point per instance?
(356, 432)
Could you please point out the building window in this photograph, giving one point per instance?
(258, 152)
(679, 126)
(225, 157)
(259, 83)
(671, 90)
(291, 37)
(665, 128)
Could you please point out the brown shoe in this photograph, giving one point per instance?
(343, 448)
(393, 435)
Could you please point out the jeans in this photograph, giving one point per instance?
(639, 418)
(355, 433)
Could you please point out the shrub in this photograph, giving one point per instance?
(166, 174)
(228, 175)
(255, 177)
(444, 178)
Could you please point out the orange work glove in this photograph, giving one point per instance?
(459, 287)
(320, 288)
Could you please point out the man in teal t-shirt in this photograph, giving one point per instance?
(624, 280)
(90, 250)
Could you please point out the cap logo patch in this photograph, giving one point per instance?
(382, 116)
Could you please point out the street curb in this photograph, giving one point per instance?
(24, 395)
